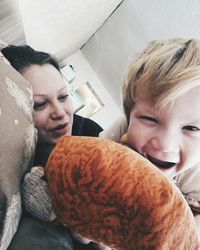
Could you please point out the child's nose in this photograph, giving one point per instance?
(165, 142)
(57, 111)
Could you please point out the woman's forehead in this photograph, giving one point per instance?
(44, 78)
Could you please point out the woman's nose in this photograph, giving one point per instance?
(57, 111)
(165, 142)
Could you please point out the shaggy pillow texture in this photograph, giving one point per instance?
(108, 193)
(17, 143)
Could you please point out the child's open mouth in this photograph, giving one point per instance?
(159, 163)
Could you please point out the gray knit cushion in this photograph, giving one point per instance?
(36, 197)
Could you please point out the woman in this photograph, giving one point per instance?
(53, 110)
(54, 118)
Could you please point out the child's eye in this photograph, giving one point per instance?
(63, 97)
(191, 128)
(39, 105)
(148, 118)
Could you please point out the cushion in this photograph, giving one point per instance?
(17, 146)
(108, 193)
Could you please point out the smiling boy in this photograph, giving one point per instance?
(169, 137)
(161, 99)
(162, 104)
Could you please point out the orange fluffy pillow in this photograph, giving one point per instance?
(110, 194)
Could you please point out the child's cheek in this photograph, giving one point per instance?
(134, 137)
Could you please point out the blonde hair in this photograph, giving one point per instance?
(163, 72)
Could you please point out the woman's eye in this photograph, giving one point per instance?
(191, 128)
(39, 105)
(148, 118)
(63, 97)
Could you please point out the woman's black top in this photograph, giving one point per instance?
(85, 127)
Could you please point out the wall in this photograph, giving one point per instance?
(134, 24)
(63, 26)
(85, 73)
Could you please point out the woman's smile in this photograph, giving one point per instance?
(59, 130)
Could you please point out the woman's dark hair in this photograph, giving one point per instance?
(21, 57)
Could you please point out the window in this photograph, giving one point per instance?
(85, 100)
